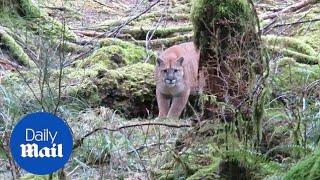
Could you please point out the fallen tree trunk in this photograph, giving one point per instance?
(288, 9)
(40, 21)
(165, 42)
(291, 47)
(141, 33)
(129, 90)
(89, 33)
(15, 50)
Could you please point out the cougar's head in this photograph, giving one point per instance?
(171, 72)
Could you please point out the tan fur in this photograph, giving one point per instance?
(185, 78)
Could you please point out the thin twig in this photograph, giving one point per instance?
(80, 141)
(103, 4)
(61, 60)
(55, 8)
(149, 145)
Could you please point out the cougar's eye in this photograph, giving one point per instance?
(176, 70)
(165, 71)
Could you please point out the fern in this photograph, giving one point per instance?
(308, 168)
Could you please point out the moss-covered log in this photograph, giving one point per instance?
(290, 76)
(169, 16)
(16, 51)
(130, 89)
(289, 43)
(165, 42)
(291, 47)
(299, 57)
(114, 53)
(141, 33)
(130, 47)
(38, 20)
(115, 76)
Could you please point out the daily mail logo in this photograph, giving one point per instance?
(41, 143)
(32, 150)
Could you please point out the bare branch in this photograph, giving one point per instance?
(80, 141)
(117, 29)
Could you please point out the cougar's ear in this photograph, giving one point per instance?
(159, 62)
(180, 61)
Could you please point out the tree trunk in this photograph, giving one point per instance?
(230, 55)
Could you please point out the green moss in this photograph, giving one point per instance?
(15, 49)
(308, 168)
(116, 53)
(110, 23)
(207, 172)
(167, 42)
(222, 165)
(30, 9)
(312, 38)
(181, 8)
(96, 149)
(115, 41)
(294, 75)
(286, 61)
(27, 14)
(135, 80)
(299, 57)
(291, 47)
(38, 177)
(289, 43)
(255, 165)
(79, 74)
(106, 58)
(85, 89)
(207, 14)
(51, 28)
(141, 32)
(183, 166)
(130, 89)
(308, 33)
(217, 23)
(208, 158)
(155, 15)
(226, 33)
(68, 46)
(173, 14)
(41, 23)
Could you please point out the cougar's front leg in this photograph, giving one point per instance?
(163, 104)
(178, 104)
